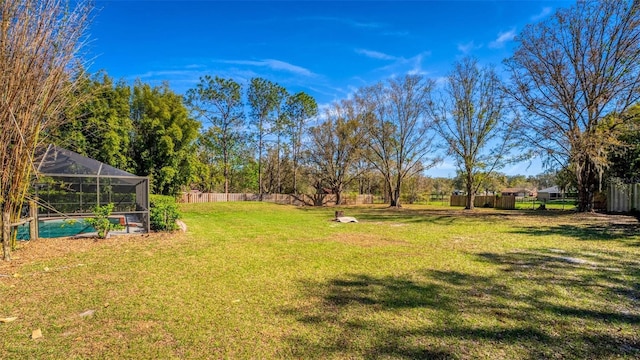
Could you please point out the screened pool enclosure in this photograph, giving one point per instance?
(69, 186)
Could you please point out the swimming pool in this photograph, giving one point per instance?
(56, 228)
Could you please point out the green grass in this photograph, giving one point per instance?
(254, 280)
(533, 204)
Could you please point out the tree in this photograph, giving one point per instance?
(517, 181)
(334, 147)
(493, 182)
(625, 158)
(280, 126)
(39, 43)
(399, 131)
(300, 108)
(219, 102)
(164, 138)
(100, 127)
(263, 99)
(471, 116)
(544, 180)
(567, 73)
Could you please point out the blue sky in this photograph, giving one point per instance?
(325, 48)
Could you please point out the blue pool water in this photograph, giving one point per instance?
(56, 228)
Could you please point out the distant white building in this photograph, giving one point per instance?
(550, 193)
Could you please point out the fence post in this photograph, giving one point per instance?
(33, 224)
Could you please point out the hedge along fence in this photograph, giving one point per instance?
(300, 200)
(498, 202)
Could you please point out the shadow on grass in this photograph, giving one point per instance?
(449, 314)
(610, 274)
(598, 232)
(591, 226)
(448, 215)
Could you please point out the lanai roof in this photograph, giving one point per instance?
(55, 160)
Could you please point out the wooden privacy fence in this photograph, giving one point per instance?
(498, 202)
(623, 197)
(309, 200)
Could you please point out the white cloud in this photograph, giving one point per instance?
(417, 66)
(545, 11)
(375, 54)
(346, 21)
(284, 66)
(468, 47)
(274, 65)
(401, 65)
(503, 37)
(441, 80)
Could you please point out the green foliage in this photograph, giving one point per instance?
(625, 157)
(264, 98)
(163, 146)
(218, 102)
(100, 221)
(164, 213)
(100, 127)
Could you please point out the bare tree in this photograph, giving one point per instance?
(335, 146)
(39, 43)
(471, 116)
(400, 137)
(567, 73)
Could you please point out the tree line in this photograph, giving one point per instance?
(569, 95)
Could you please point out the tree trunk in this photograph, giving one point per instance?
(6, 235)
(395, 197)
(260, 166)
(295, 176)
(586, 176)
(278, 180)
(226, 180)
(394, 192)
(470, 194)
(389, 191)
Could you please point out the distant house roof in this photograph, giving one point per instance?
(518, 191)
(550, 190)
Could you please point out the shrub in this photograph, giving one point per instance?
(163, 212)
(100, 221)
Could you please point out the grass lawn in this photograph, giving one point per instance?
(532, 204)
(255, 280)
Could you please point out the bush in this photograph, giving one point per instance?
(163, 212)
(100, 221)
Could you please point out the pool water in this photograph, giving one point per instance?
(56, 228)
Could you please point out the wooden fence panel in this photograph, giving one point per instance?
(310, 200)
(498, 202)
(484, 201)
(506, 203)
(458, 200)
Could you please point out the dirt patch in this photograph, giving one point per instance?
(367, 240)
(28, 252)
